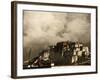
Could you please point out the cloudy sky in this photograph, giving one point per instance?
(47, 28)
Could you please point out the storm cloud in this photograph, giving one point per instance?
(42, 29)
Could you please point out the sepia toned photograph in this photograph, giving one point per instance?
(50, 39)
(56, 39)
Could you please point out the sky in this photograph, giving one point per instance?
(42, 29)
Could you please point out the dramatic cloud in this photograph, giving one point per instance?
(47, 28)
